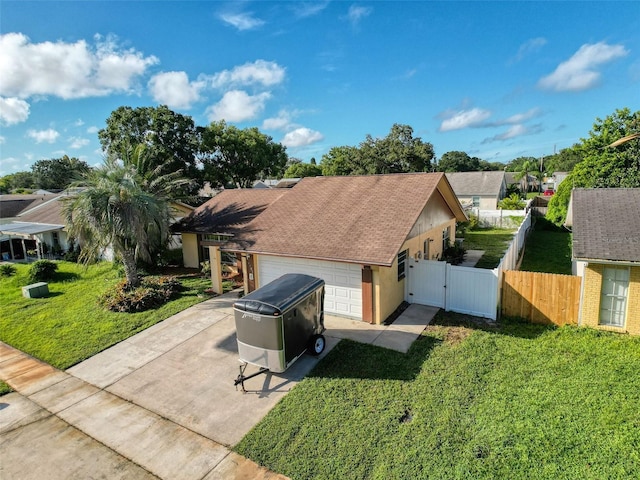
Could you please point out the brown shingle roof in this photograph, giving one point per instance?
(360, 219)
(606, 224)
(476, 183)
(49, 212)
(12, 205)
(229, 211)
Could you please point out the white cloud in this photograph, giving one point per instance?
(238, 106)
(40, 136)
(514, 131)
(242, 21)
(532, 45)
(68, 70)
(523, 117)
(301, 137)
(283, 122)
(12, 162)
(2, 139)
(260, 72)
(357, 13)
(77, 142)
(464, 119)
(78, 123)
(580, 71)
(92, 130)
(175, 90)
(309, 9)
(13, 110)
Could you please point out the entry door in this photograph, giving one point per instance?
(427, 282)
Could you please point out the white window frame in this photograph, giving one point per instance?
(475, 200)
(446, 237)
(614, 293)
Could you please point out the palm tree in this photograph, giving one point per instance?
(525, 170)
(124, 206)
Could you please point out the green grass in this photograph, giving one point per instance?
(548, 249)
(516, 401)
(4, 388)
(494, 241)
(68, 326)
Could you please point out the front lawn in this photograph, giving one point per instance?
(494, 241)
(548, 249)
(68, 326)
(515, 401)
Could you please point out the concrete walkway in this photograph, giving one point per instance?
(160, 404)
(471, 257)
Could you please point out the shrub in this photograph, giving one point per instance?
(512, 202)
(7, 270)
(153, 292)
(72, 254)
(454, 254)
(42, 270)
(205, 268)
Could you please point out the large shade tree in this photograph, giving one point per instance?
(58, 173)
(124, 205)
(398, 152)
(605, 162)
(239, 157)
(170, 138)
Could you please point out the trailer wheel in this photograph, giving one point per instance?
(317, 344)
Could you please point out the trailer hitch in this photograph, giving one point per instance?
(242, 377)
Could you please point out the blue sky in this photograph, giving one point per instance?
(497, 80)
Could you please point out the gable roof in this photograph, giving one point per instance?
(229, 211)
(358, 219)
(476, 183)
(606, 224)
(48, 212)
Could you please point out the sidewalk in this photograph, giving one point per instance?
(158, 405)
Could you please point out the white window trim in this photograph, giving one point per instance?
(607, 322)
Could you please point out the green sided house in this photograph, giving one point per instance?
(606, 254)
(356, 233)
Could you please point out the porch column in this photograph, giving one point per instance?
(367, 294)
(245, 274)
(13, 255)
(24, 250)
(215, 259)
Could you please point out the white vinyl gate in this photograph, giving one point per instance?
(469, 290)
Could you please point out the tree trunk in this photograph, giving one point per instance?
(130, 270)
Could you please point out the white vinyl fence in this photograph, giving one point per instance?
(469, 290)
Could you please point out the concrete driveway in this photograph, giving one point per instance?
(162, 403)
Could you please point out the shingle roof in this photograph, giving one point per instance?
(12, 205)
(606, 224)
(229, 211)
(49, 212)
(359, 219)
(476, 183)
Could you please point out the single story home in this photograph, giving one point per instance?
(354, 232)
(606, 253)
(482, 190)
(36, 227)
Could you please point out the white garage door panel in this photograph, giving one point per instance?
(343, 281)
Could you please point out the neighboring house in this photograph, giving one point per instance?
(272, 183)
(481, 190)
(558, 178)
(513, 178)
(30, 225)
(606, 252)
(354, 232)
(36, 227)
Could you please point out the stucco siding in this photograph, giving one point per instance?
(387, 290)
(190, 250)
(590, 309)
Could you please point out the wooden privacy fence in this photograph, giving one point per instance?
(545, 298)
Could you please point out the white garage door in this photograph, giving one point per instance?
(343, 281)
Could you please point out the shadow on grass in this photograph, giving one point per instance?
(513, 327)
(65, 277)
(355, 360)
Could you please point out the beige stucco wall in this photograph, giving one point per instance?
(215, 261)
(590, 305)
(486, 203)
(190, 250)
(388, 292)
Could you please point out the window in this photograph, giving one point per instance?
(445, 239)
(476, 201)
(402, 264)
(426, 249)
(613, 296)
(216, 237)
